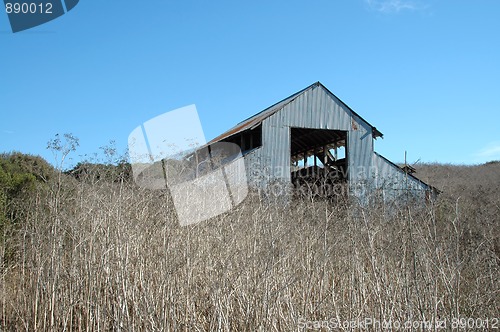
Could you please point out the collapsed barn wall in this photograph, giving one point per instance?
(393, 183)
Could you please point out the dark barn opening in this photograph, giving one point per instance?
(247, 140)
(318, 161)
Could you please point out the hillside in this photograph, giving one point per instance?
(478, 186)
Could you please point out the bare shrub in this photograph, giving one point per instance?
(110, 256)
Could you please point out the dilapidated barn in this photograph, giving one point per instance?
(312, 138)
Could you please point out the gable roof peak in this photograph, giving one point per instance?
(255, 120)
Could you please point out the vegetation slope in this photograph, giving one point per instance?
(88, 250)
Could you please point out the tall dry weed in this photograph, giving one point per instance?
(110, 256)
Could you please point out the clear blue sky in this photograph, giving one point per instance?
(425, 73)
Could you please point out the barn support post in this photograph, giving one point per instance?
(325, 160)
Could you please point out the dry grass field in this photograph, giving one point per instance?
(100, 255)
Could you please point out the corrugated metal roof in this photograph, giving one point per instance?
(257, 119)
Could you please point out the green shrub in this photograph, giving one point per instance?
(92, 173)
(19, 175)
